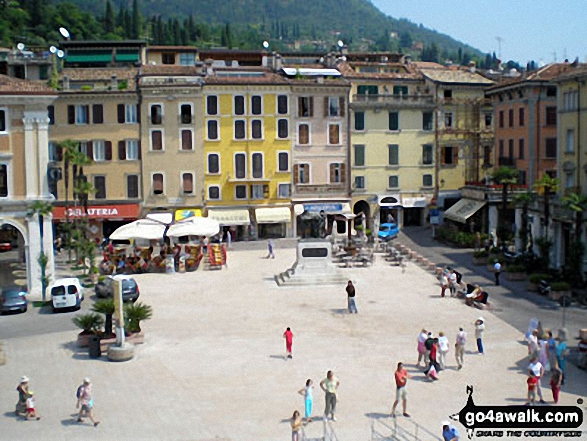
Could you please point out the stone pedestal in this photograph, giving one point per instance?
(121, 353)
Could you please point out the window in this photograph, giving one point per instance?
(257, 165)
(448, 119)
(359, 155)
(132, 186)
(501, 118)
(511, 117)
(359, 120)
(156, 114)
(239, 105)
(333, 134)
(393, 120)
(212, 105)
(569, 180)
(282, 128)
(55, 152)
(333, 106)
(257, 129)
(511, 148)
(551, 147)
(82, 114)
(186, 140)
(156, 140)
(570, 141)
(501, 149)
(256, 105)
(3, 180)
(283, 161)
(447, 93)
(185, 112)
(427, 120)
(282, 105)
(367, 90)
(551, 116)
(359, 182)
(486, 155)
(426, 180)
(213, 163)
(187, 59)
(488, 120)
(99, 151)
(187, 183)
(305, 106)
(449, 155)
(239, 129)
(521, 148)
(393, 154)
(212, 129)
(302, 174)
(157, 183)
(393, 181)
(337, 173)
(522, 116)
(214, 192)
(240, 192)
(132, 149)
(427, 156)
(240, 165)
(100, 187)
(168, 58)
(259, 191)
(400, 90)
(84, 147)
(522, 177)
(127, 113)
(50, 115)
(97, 114)
(283, 190)
(303, 134)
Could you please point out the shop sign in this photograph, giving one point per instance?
(327, 208)
(98, 212)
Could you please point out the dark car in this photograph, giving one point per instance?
(388, 231)
(13, 298)
(130, 289)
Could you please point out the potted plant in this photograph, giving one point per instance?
(90, 324)
(106, 307)
(134, 314)
(516, 272)
(480, 257)
(558, 290)
(535, 279)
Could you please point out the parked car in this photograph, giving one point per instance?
(388, 231)
(5, 246)
(13, 298)
(130, 288)
(66, 293)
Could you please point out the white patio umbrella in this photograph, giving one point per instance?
(140, 229)
(194, 226)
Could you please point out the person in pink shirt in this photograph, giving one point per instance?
(288, 335)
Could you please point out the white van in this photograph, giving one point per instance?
(66, 293)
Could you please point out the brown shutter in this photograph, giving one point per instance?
(300, 107)
(139, 148)
(59, 152)
(121, 150)
(157, 140)
(157, 183)
(186, 139)
(341, 103)
(108, 151)
(311, 106)
(455, 155)
(334, 134)
(71, 114)
(342, 172)
(442, 153)
(296, 172)
(326, 107)
(87, 112)
(97, 114)
(90, 150)
(121, 116)
(188, 183)
(332, 175)
(138, 113)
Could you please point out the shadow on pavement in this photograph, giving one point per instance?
(377, 415)
(14, 416)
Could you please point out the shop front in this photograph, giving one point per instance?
(390, 209)
(336, 214)
(233, 221)
(272, 222)
(414, 210)
(466, 212)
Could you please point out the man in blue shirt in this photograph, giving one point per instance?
(449, 433)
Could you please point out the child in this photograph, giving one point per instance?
(306, 392)
(296, 426)
(288, 335)
(556, 378)
(532, 384)
(30, 407)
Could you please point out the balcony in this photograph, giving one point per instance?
(393, 101)
(506, 161)
(320, 190)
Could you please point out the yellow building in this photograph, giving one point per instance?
(247, 148)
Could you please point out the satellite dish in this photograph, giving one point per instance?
(53, 49)
(265, 44)
(20, 46)
(64, 32)
(340, 43)
(60, 53)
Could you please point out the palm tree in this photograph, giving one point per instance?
(134, 313)
(505, 176)
(546, 186)
(523, 200)
(577, 203)
(106, 307)
(41, 209)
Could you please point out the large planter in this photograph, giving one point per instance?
(83, 340)
(516, 276)
(480, 260)
(557, 295)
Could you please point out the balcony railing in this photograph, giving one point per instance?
(305, 189)
(394, 100)
(506, 161)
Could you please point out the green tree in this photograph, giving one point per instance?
(135, 20)
(577, 204)
(523, 200)
(109, 18)
(106, 307)
(546, 187)
(41, 209)
(504, 176)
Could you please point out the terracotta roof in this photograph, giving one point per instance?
(579, 71)
(167, 69)
(347, 71)
(549, 72)
(426, 65)
(16, 86)
(455, 76)
(101, 74)
(244, 76)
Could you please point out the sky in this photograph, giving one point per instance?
(529, 29)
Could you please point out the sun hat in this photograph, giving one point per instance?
(24, 379)
(87, 380)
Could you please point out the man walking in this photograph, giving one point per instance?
(350, 290)
(460, 347)
(271, 246)
(330, 385)
(497, 271)
(401, 393)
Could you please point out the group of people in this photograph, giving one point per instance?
(26, 401)
(453, 281)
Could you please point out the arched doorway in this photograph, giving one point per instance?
(13, 254)
(362, 207)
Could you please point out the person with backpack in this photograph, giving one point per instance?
(86, 401)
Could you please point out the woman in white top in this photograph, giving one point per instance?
(479, 328)
(442, 348)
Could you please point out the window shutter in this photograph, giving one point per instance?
(326, 107)
(188, 183)
(311, 106)
(59, 152)
(341, 102)
(442, 155)
(296, 174)
(87, 113)
(455, 155)
(186, 140)
(342, 172)
(108, 151)
(122, 150)
(139, 149)
(121, 114)
(71, 114)
(300, 107)
(138, 113)
(332, 173)
(90, 150)
(97, 114)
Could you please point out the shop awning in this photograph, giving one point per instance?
(186, 213)
(273, 215)
(414, 202)
(389, 201)
(230, 217)
(194, 226)
(89, 58)
(463, 210)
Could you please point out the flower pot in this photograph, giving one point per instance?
(480, 260)
(557, 295)
(83, 340)
(516, 276)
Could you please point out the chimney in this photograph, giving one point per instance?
(114, 82)
(209, 69)
(472, 67)
(65, 81)
(277, 62)
(320, 80)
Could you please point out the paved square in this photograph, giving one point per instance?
(212, 366)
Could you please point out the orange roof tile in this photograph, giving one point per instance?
(16, 86)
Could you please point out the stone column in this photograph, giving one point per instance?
(31, 170)
(518, 221)
(48, 247)
(34, 251)
(492, 220)
(43, 156)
